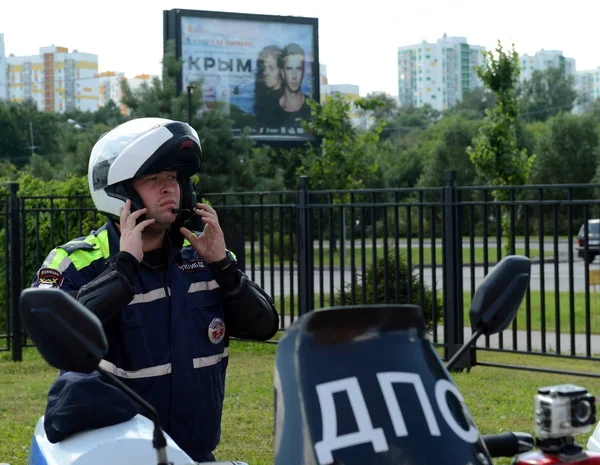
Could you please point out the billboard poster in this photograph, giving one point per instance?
(261, 69)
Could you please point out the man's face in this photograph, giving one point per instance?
(160, 193)
(293, 72)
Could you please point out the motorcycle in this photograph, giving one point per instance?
(339, 372)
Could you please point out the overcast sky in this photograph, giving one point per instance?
(358, 40)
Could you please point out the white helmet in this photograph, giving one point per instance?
(138, 147)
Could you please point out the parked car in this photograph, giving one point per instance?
(593, 248)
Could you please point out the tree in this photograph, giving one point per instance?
(160, 98)
(567, 152)
(444, 147)
(11, 136)
(108, 115)
(474, 103)
(494, 153)
(546, 94)
(345, 158)
(340, 162)
(407, 124)
(386, 110)
(398, 167)
(22, 126)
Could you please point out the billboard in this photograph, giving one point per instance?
(261, 69)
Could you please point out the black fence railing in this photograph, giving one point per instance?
(431, 246)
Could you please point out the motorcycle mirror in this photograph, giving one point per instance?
(500, 294)
(496, 300)
(67, 334)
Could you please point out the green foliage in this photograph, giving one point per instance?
(444, 147)
(340, 162)
(50, 220)
(410, 291)
(21, 126)
(7, 170)
(547, 93)
(474, 103)
(494, 153)
(380, 107)
(567, 151)
(398, 167)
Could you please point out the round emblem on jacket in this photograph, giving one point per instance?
(216, 330)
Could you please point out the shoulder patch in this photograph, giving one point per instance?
(71, 247)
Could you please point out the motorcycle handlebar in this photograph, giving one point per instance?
(508, 444)
(226, 462)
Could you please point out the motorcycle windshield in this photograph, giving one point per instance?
(363, 386)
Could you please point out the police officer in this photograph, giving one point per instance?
(168, 298)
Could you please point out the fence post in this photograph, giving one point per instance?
(15, 273)
(305, 272)
(452, 250)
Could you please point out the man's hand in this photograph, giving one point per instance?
(131, 234)
(211, 244)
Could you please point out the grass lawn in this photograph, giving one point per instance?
(475, 255)
(549, 319)
(562, 309)
(248, 418)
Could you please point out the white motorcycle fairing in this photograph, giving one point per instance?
(127, 443)
(593, 443)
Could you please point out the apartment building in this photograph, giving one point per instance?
(587, 85)
(3, 71)
(437, 73)
(56, 80)
(543, 60)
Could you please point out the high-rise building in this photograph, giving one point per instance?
(3, 71)
(137, 81)
(543, 60)
(438, 73)
(109, 88)
(587, 86)
(55, 80)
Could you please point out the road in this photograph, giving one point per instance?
(537, 271)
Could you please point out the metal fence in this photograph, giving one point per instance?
(318, 248)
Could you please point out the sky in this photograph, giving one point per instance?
(358, 41)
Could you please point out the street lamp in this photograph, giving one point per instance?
(190, 91)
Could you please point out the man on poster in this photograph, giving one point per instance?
(294, 107)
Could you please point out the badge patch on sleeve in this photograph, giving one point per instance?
(47, 277)
(216, 330)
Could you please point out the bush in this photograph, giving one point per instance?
(420, 294)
